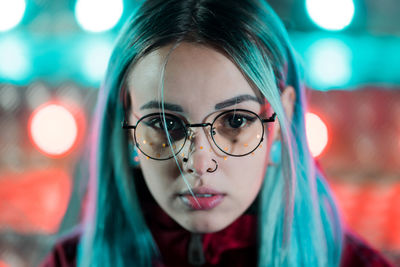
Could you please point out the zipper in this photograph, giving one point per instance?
(195, 250)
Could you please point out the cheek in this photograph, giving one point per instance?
(252, 165)
(248, 172)
(166, 169)
(159, 175)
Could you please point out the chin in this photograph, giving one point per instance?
(201, 223)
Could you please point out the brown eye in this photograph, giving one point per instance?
(174, 126)
(236, 121)
(158, 123)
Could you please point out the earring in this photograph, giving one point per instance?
(275, 153)
(133, 155)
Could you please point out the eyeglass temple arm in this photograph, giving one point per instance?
(126, 126)
(270, 119)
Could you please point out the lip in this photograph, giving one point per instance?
(201, 190)
(206, 198)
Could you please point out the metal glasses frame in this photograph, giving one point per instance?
(187, 127)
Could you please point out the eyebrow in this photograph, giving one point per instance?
(158, 105)
(226, 103)
(236, 100)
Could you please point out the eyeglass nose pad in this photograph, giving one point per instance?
(190, 134)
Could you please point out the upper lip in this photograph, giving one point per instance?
(201, 190)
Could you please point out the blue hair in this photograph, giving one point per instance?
(298, 221)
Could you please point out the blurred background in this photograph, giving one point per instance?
(53, 55)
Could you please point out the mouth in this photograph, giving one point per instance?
(203, 199)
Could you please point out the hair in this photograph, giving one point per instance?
(299, 224)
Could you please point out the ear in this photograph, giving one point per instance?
(288, 98)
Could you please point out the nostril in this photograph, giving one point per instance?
(190, 171)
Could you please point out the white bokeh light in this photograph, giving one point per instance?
(331, 15)
(98, 15)
(317, 134)
(53, 129)
(11, 13)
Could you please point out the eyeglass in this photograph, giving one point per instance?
(236, 132)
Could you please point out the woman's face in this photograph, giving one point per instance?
(199, 83)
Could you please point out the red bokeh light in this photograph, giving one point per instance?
(34, 201)
(56, 128)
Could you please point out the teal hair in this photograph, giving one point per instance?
(298, 221)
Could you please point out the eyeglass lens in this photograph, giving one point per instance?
(235, 132)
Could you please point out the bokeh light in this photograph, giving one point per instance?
(317, 134)
(9, 98)
(11, 13)
(331, 15)
(95, 59)
(53, 129)
(98, 15)
(34, 200)
(14, 60)
(36, 94)
(329, 64)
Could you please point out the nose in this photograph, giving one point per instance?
(199, 157)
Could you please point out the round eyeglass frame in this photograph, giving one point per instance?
(187, 127)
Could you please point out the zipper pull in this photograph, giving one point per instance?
(195, 250)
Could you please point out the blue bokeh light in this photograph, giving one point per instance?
(14, 59)
(95, 55)
(329, 64)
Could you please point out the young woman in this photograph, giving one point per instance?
(208, 93)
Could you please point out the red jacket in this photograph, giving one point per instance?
(234, 246)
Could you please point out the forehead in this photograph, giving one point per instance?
(196, 77)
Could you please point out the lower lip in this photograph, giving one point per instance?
(202, 203)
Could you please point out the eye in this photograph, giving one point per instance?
(236, 121)
(171, 123)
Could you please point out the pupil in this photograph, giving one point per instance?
(175, 129)
(171, 124)
(236, 122)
